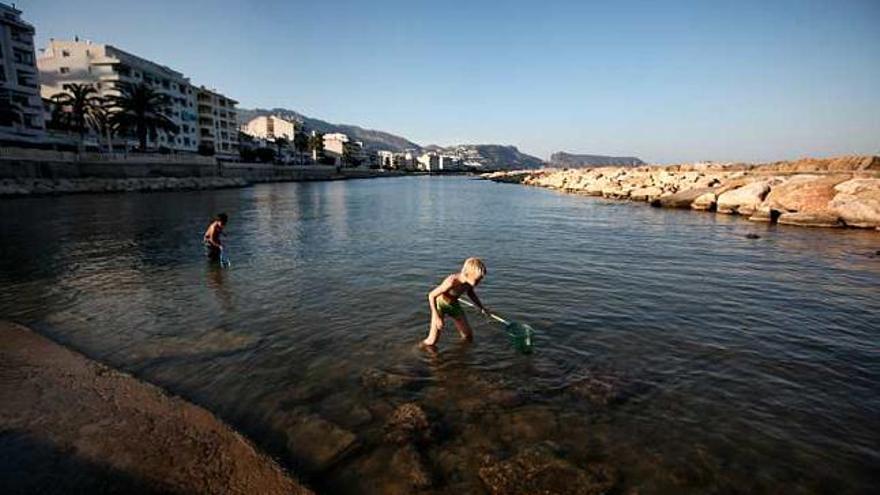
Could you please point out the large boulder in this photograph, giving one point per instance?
(705, 202)
(810, 219)
(743, 200)
(681, 199)
(648, 193)
(804, 194)
(857, 202)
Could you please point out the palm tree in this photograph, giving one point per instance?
(101, 119)
(281, 143)
(301, 141)
(140, 110)
(75, 103)
(316, 145)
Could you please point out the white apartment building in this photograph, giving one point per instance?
(449, 163)
(406, 160)
(270, 127)
(334, 144)
(218, 129)
(429, 162)
(84, 62)
(19, 83)
(385, 158)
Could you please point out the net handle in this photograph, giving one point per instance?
(491, 315)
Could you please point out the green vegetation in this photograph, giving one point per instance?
(141, 111)
(75, 104)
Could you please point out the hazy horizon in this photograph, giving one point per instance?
(684, 81)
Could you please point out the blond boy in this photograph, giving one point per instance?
(443, 301)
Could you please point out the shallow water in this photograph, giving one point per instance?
(670, 346)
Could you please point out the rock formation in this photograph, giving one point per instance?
(833, 192)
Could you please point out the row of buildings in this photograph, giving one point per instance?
(336, 147)
(430, 161)
(206, 120)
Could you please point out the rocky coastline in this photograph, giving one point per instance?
(831, 192)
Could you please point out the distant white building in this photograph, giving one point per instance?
(334, 146)
(269, 128)
(385, 158)
(339, 147)
(405, 160)
(19, 83)
(429, 162)
(449, 163)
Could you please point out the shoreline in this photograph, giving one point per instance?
(833, 192)
(37, 187)
(69, 424)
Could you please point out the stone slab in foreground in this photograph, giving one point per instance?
(71, 425)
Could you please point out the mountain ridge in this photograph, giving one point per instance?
(373, 139)
(572, 160)
(486, 156)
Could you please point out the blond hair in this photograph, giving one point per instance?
(474, 265)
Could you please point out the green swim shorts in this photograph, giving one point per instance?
(446, 308)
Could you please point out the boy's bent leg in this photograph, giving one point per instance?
(464, 328)
(433, 334)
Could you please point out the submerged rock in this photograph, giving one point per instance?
(538, 470)
(529, 423)
(383, 381)
(315, 443)
(598, 391)
(408, 424)
(408, 466)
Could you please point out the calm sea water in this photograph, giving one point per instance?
(691, 358)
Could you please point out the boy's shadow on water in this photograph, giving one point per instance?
(29, 464)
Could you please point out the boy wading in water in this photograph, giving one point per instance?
(443, 301)
(213, 245)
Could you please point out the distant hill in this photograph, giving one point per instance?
(563, 160)
(490, 156)
(487, 156)
(373, 140)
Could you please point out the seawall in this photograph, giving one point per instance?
(832, 192)
(39, 172)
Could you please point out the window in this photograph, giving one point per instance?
(23, 57)
(65, 53)
(64, 70)
(26, 79)
(2, 74)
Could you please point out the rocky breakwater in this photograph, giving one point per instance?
(29, 187)
(833, 192)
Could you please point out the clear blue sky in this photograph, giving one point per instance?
(666, 81)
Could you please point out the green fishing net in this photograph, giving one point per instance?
(521, 336)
